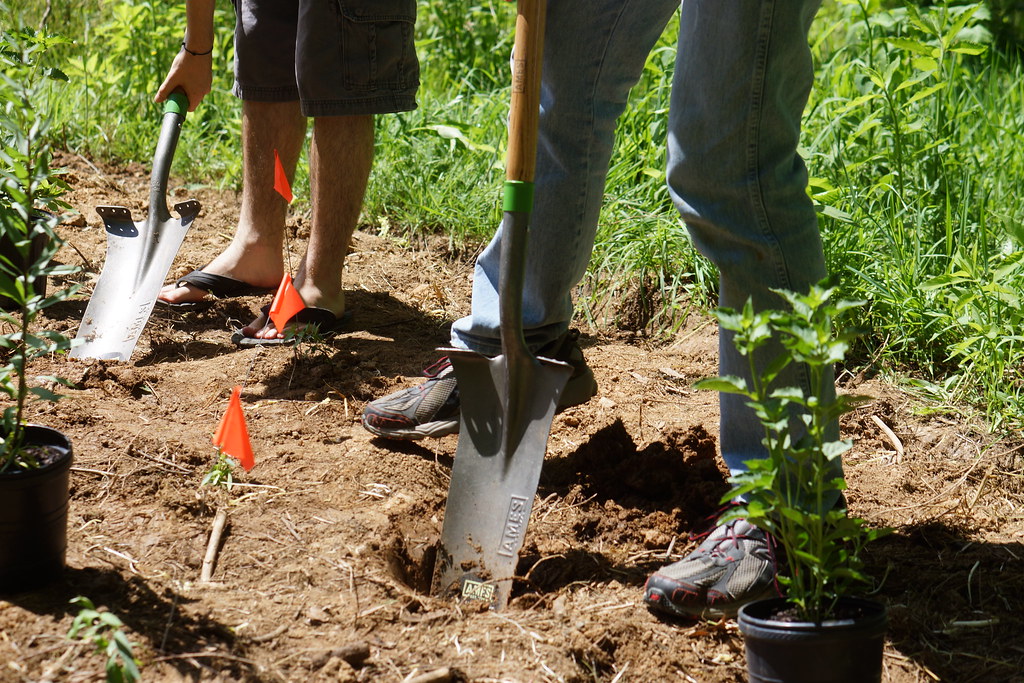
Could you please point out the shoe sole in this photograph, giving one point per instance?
(428, 429)
(578, 390)
(656, 600)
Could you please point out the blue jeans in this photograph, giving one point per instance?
(742, 77)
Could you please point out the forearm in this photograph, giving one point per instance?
(192, 68)
(199, 25)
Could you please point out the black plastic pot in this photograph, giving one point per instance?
(34, 517)
(846, 650)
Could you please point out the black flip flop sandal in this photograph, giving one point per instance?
(326, 325)
(218, 286)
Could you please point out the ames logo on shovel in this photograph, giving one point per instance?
(478, 590)
(515, 525)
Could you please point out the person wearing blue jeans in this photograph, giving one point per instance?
(742, 77)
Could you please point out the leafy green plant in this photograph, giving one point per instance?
(103, 629)
(906, 139)
(792, 493)
(220, 473)
(29, 192)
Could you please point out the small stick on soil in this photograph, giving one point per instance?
(86, 262)
(439, 676)
(981, 487)
(891, 436)
(158, 459)
(219, 522)
(92, 471)
(127, 558)
(270, 636)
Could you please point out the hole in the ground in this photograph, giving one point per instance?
(411, 563)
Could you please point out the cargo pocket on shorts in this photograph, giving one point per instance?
(378, 45)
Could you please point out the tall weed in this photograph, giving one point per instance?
(910, 136)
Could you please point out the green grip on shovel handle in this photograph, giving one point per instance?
(518, 196)
(176, 103)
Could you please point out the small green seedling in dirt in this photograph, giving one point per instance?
(310, 343)
(219, 474)
(792, 492)
(103, 629)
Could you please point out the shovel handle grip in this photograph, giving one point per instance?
(175, 109)
(524, 113)
(176, 103)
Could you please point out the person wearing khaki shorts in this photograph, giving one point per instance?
(339, 62)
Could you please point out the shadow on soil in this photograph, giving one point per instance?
(955, 605)
(175, 638)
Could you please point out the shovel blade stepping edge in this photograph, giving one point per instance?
(496, 471)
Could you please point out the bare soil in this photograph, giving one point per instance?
(323, 572)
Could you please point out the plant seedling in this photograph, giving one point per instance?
(793, 492)
(219, 474)
(29, 192)
(103, 629)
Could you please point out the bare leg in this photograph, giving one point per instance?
(255, 252)
(340, 160)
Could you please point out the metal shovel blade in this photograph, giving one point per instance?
(139, 254)
(507, 404)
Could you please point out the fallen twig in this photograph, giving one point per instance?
(270, 636)
(156, 458)
(210, 559)
(437, 676)
(891, 436)
(92, 471)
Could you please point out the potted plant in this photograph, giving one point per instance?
(820, 631)
(35, 461)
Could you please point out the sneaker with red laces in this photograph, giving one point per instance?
(734, 565)
(432, 408)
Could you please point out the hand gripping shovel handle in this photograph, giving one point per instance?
(175, 110)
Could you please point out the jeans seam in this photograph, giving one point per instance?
(757, 103)
(581, 200)
(757, 97)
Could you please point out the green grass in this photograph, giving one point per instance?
(912, 136)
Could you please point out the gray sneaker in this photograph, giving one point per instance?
(432, 408)
(734, 565)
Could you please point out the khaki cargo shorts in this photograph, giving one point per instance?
(337, 57)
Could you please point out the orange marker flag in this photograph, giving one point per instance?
(281, 179)
(287, 302)
(232, 436)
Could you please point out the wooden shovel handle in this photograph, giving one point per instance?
(524, 113)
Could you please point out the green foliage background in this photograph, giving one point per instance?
(913, 136)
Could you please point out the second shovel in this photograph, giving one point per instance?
(139, 254)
